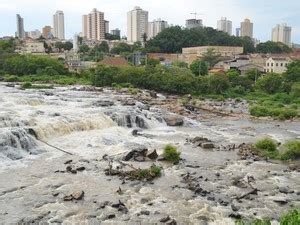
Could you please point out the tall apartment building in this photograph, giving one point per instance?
(116, 32)
(106, 26)
(246, 29)
(155, 27)
(137, 24)
(59, 25)
(93, 25)
(282, 33)
(225, 25)
(20, 27)
(47, 32)
(193, 23)
(237, 32)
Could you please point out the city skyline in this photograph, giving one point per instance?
(264, 15)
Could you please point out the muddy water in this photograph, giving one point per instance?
(92, 124)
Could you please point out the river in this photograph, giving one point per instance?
(36, 124)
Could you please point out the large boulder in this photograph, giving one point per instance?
(174, 121)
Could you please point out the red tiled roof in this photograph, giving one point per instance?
(114, 61)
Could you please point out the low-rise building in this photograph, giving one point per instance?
(277, 64)
(32, 47)
(193, 53)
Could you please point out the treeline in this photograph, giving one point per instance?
(178, 80)
(21, 65)
(173, 39)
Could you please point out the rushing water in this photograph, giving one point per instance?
(92, 124)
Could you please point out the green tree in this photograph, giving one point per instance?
(273, 48)
(211, 57)
(218, 84)
(253, 74)
(121, 48)
(293, 72)
(199, 67)
(84, 48)
(180, 64)
(109, 36)
(270, 83)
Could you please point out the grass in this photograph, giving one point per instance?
(292, 217)
(28, 85)
(291, 150)
(171, 154)
(50, 79)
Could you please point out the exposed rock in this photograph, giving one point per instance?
(135, 153)
(145, 212)
(140, 122)
(153, 94)
(285, 190)
(165, 219)
(111, 216)
(280, 200)
(174, 121)
(120, 206)
(142, 106)
(103, 103)
(77, 195)
(129, 102)
(152, 155)
(68, 161)
(207, 145)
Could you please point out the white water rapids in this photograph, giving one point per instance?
(92, 124)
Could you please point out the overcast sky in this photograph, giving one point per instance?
(265, 14)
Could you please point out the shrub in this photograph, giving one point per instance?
(26, 85)
(291, 151)
(11, 78)
(270, 83)
(171, 154)
(296, 89)
(151, 173)
(267, 147)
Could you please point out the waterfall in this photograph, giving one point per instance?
(16, 143)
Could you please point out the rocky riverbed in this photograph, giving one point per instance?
(57, 146)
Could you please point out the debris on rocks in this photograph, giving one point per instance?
(148, 174)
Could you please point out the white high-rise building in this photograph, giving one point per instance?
(193, 23)
(137, 25)
(20, 27)
(93, 25)
(282, 33)
(155, 27)
(246, 29)
(225, 25)
(59, 25)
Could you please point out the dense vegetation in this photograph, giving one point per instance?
(275, 95)
(23, 65)
(173, 39)
(267, 147)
